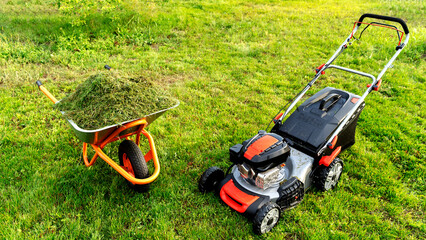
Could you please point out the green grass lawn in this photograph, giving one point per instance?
(233, 65)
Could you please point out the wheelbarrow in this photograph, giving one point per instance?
(133, 163)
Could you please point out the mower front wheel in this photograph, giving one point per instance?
(210, 178)
(266, 218)
(327, 177)
(132, 160)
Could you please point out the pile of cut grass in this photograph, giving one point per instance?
(105, 99)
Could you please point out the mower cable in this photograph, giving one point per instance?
(283, 109)
(383, 24)
(229, 168)
(309, 86)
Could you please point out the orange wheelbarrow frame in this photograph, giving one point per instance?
(136, 127)
(123, 170)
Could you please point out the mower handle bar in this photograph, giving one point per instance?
(354, 71)
(328, 64)
(387, 18)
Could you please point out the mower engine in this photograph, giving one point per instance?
(261, 159)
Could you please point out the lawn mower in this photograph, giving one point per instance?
(271, 171)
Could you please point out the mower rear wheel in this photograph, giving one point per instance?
(210, 178)
(327, 178)
(132, 160)
(266, 218)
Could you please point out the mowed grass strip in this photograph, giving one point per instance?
(232, 65)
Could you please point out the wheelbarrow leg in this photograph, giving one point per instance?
(86, 160)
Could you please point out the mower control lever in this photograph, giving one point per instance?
(392, 19)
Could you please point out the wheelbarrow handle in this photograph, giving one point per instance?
(46, 92)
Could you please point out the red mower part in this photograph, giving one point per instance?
(326, 160)
(319, 68)
(377, 86)
(333, 143)
(278, 116)
(259, 146)
(235, 198)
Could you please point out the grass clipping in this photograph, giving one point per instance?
(104, 100)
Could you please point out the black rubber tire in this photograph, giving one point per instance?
(137, 160)
(266, 218)
(210, 178)
(291, 193)
(327, 178)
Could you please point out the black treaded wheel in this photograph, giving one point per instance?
(210, 178)
(291, 193)
(266, 218)
(326, 178)
(133, 161)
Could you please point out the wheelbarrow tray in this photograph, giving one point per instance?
(96, 136)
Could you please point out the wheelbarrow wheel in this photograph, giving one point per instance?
(132, 160)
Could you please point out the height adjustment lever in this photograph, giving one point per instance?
(319, 68)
